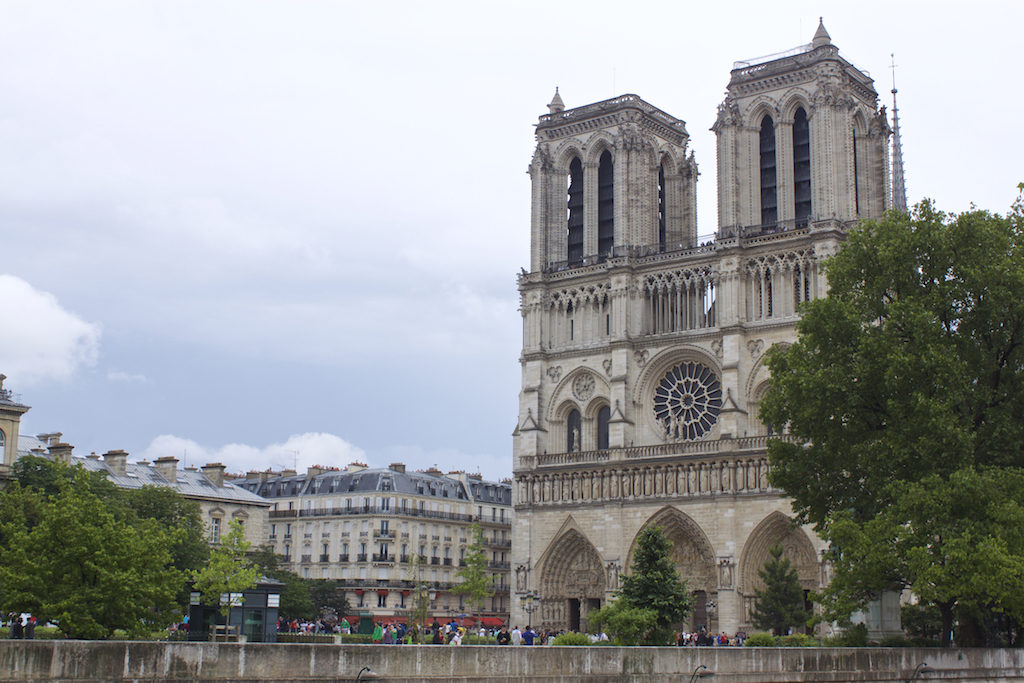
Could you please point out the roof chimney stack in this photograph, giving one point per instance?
(61, 452)
(167, 466)
(214, 471)
(116, 460)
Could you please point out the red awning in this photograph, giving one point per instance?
(359, 591)
(382, 591)
(492, 621)
(406, 593)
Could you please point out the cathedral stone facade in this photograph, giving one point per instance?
(643, 350)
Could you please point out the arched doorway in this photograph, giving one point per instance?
(797, 548)
(572, 582)
(693, 558)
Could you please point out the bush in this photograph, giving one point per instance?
(798, 640)
(305, 638)
(856, 636)
(42, 633)
(894, 641)
(572, 638)
(478, 640)
(761, 640)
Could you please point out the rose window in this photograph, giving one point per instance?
(687, 401)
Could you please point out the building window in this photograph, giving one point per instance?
(769, 202)
(802, 167)
(215, 530)
(603, 417)
(662, 237)
(382, 600)
(687, 401)
(574, 228)
(572, 432)
(605, 204)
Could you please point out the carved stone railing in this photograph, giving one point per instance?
(662, 450)
(692, 469)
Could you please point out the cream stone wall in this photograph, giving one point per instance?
(657, 347)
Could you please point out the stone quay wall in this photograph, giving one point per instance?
(93, 661)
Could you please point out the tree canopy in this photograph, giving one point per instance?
(652, 600)
(69, 559)
(228, 571)
(474, 582)
(904, 402)
(779, 606)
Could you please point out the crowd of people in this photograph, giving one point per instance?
(22, 626)
(702, 638)
(453, 633)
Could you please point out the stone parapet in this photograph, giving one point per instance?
(228, 662)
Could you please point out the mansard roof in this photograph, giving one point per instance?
(431, 483)
(190, 482)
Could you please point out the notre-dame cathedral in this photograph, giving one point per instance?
(643, 350)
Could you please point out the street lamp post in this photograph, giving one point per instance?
(530, 605)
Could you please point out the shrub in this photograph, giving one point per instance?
(856, 636)
(798, 640)
(361, 638)
(894, 641)
(572, 638)
(478, 640)
(42, 633)
(305, 638)
(761, 640)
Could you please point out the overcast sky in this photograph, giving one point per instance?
(287, 233)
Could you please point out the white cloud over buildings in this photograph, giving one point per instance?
(298, 452)
(41, 340)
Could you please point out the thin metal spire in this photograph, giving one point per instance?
(899, 186)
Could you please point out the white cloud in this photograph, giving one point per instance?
(299, 451)
(41, 340)
(127, 377)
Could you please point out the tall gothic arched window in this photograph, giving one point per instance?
(769, 200)
(801, 167)
(603, 417)
(572, 432)
(661, 208)
(605, 204)
(574, 227)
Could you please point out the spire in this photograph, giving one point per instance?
(556, 104)
(821, 36)
(899, 187)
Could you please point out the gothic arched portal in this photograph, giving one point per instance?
(797, 548)
(572, 582)
(692, 555)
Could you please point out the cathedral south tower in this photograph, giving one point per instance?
(643, 350)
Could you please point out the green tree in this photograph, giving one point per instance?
(296, 599)
(328, 598)
(474, 582)
(173, 511)
(652, 600)
(229, 570)
(84, 568)
(627, 625)
(780, 605)
(420, 594)
(904, 403)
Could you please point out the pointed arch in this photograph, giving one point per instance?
(777, 528)
(572, 579)
(599, 143)
(794, 100)
(692, 553)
